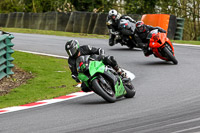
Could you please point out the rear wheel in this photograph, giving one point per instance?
(129, 89)
(170, 55)
(105, 91)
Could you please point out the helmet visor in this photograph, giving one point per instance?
(72, 51)
(140, 29)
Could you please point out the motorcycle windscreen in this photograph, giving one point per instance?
(96, 67)
(83, 59)
(149, 36)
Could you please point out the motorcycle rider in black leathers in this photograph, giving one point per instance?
(141, 33)
(112, 23)
(74, 51)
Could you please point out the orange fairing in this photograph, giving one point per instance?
(161, 20)
(157, 41)
(154, 41)
(163, 37)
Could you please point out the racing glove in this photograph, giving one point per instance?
(163, 31)
(113, 32)
(76, 78)
(101, 51)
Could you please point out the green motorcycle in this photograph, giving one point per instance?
(103, 79)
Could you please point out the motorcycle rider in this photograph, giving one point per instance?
(142, 32)
(112, 23)
(74, 51)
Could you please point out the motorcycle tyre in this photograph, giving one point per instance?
(130, 89)
(99, 90)
(170, 55)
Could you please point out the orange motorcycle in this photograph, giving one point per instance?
(161, 46)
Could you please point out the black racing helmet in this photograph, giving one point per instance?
(140, 27)
(72, 48)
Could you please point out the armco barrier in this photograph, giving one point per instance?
(5, 55)
(79, 22)
(179, 29)
(86, 22)
(3, 19)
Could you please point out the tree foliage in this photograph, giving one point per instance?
(55, 5)
(92, 5)
(140, 6)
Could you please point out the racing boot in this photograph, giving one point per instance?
(112, 40)
(84, 88)
(147, 51)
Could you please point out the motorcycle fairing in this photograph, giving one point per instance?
(95, 67)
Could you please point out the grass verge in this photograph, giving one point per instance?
(57, 33)
(52, 78)
(186, 42)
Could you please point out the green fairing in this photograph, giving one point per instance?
(96, 66)
(83, 77)
(99, 67)
(93, 78)
(119, 89)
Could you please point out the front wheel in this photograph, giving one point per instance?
(170, 55)
(129, 89)
(104, 91)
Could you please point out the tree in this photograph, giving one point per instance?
(90, 5)
(140, 6)
(7, 6)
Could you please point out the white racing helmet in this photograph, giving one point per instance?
(113, 14)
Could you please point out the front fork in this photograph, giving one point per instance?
(168, 47)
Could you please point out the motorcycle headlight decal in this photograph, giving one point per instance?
(159, 41)
(156, 38)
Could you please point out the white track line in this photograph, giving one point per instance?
(58, 56)
(44, 102)
(186, 45)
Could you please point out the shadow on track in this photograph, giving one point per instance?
(94, 102)
(101, 101)
(157, 63)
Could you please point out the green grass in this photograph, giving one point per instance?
(57, 33)
(186, 42)
(47, 82)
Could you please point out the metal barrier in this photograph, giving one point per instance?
(81, 22)
(5, 54)
(179, 29)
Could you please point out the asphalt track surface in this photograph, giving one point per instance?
(167, 98)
